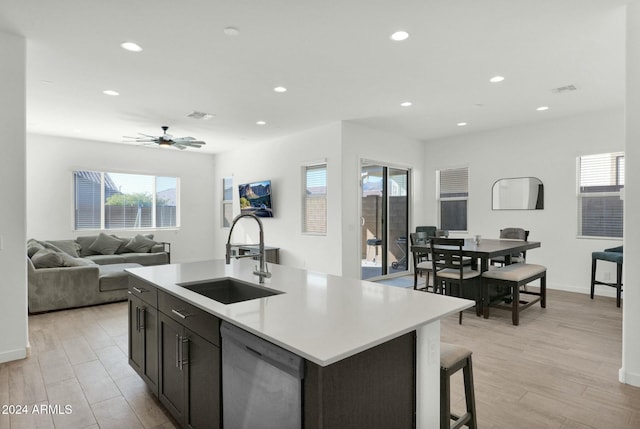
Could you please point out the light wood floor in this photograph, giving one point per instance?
(557, 369)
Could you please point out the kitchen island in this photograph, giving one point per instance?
(327, 320)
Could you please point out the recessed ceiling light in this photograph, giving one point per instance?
(406, 104)
(462, 124)
(542, 108)
(231, 31)
(261, 123)
(496, 79)
(280, 89)
(46, 82)
(399, 36)
(110, 92)
(130, 46)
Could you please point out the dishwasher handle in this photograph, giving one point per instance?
(265, 351)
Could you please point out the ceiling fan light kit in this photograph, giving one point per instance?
(166, 140)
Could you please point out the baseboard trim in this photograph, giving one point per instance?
(629, 378)
(13, 355)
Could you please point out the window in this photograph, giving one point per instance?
(227, 202)
(600, 206)
(124, 201)
(453, 194)
(314, 200)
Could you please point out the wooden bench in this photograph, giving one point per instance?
(514, 276)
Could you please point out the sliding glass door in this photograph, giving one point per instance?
(384, 220)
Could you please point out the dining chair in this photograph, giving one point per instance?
(450, 269)
(430, 230)
(421, 262)
(512, 234)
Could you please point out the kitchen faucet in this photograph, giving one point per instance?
(264, 270)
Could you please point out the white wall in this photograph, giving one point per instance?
(358, 143)
(546, 150)
(630, 371)
(51, 161)
(13, 281)
(281, 161)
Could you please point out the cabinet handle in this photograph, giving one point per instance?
(138, 319)
(177, 351)
(140, 290)
(143, 317)
(179, 314)
(183, 341)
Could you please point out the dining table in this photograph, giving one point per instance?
(483, 251)
(486, 249)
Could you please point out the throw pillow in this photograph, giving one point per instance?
(105, 244)
(33, 246)
(47, 258)
(70, 247)
(85, 241)
(70, 261)
(140, 244)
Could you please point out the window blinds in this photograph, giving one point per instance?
(600, 207)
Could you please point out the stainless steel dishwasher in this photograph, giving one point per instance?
(261, 383)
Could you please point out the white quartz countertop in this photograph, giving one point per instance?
(321, 317)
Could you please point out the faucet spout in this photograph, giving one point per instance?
(263, 271)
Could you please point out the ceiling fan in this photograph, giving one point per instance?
(166, 140)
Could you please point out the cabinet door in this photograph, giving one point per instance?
(149, 319)
(171, 387)
(203, 371)
(136, 341)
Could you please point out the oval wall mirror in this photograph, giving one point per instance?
(518, 193)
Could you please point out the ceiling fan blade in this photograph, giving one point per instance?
(195, 142)
(181, 139)
(180, 146)
(150, 136)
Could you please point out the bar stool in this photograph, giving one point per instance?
(615, 255)
(452, 359)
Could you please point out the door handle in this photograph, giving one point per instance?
(361, 220)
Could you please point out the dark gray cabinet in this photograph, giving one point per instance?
(189, 376)
(143, 333)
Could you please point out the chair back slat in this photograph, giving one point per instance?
(446, 253)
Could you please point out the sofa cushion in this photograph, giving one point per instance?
(146, 259)
(70, 247)
(114, 277)
(47, 258)
(140, 244)
(105, 244)
(106, 259)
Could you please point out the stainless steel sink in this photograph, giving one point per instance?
(228, 291)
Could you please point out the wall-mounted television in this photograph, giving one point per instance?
(255, 198)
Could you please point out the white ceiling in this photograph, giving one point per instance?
(334, 56)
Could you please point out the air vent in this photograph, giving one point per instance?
(200, 115)
(563, 89)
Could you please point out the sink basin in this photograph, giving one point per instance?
(228, 291)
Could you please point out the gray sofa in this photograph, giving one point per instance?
(88, 270)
